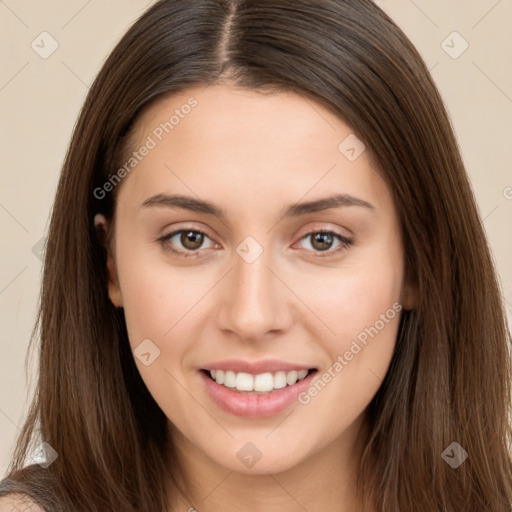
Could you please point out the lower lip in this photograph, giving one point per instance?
(255, 406)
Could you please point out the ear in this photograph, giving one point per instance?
(114, 290)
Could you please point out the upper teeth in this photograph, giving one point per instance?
(262, 382)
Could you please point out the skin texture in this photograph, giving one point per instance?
(18, 503)
(253, 155)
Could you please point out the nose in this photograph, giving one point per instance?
(255, 302)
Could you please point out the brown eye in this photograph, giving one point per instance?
(186, 242)
(191, 240)
(321, 241)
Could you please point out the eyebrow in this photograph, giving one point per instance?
(294, 210)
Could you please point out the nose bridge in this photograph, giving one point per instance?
(254, 304)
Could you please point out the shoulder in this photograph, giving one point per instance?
(18, 503)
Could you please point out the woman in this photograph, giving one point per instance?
(266, 284)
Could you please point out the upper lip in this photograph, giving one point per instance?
(255, 367)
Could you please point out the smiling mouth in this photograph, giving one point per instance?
(260, 384)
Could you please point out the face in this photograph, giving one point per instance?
(281, 257)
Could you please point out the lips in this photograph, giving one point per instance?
(253, 404)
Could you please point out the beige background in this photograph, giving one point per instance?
(40, 99)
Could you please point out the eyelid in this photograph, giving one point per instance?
(324, 227)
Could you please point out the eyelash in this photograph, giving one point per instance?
(345, 243)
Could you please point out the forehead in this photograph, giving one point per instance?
(248, 143)
(220, 110)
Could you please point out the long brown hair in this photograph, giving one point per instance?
(449, 377)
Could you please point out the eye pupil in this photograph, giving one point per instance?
(324, 239)
(191, 239)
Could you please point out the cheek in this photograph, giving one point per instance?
(353, 296)
(158, 298)
(363, 309)
(165, 304)
(162, 304)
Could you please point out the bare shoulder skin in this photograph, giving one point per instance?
(18, 503)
